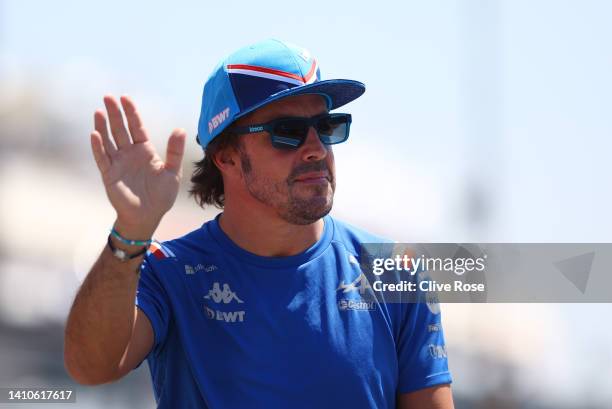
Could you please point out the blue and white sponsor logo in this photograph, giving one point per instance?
(437, 351)
(356, 305)
(189, 269)
(223, 296)
(434, 328)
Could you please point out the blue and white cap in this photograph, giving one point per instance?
(259, 74)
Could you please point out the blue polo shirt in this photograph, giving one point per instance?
(237, 330)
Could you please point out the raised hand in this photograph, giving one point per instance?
(139, 184)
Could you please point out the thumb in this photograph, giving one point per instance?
(175, 150)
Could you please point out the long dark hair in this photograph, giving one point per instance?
(207, 182)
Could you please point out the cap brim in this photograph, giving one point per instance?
(339, 92)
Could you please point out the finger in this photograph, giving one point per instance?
(102, 128)
(175, 150)
(139, 134)
(97, 147)
(120, 134)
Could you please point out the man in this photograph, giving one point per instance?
(253, 309)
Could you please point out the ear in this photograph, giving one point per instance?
(227, 160)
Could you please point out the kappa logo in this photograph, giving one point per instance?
(218, 119)
(360, 284)
(200, 267)
(226, 296)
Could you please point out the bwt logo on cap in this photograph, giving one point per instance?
(218, 119)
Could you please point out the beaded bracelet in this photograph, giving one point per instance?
(129, 242)
(121, 254)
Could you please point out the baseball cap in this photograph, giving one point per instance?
(262, 73)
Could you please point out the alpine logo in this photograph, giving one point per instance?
(226, 296)
(360, 284)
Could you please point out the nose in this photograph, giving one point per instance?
(313, 150)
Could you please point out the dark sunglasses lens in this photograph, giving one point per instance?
(289, 133)
(333, 129)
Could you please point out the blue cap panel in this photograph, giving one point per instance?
(219, 106)
(252, 90)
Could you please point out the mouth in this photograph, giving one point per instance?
(313, 178)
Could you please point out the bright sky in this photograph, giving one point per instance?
(517, 93)
(508, 99)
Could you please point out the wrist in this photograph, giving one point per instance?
(139, 232)
(124, 255)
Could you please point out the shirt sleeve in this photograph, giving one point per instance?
(152, 299)
(422, 353)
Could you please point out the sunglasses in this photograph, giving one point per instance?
(291, 132)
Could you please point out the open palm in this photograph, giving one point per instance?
(139, 184)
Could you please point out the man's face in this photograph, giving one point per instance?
(298, 184)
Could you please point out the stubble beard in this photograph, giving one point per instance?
(284, 197)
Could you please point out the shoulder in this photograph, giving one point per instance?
(195, 242)
(352, 237)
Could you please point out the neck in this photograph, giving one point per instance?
(259, 230)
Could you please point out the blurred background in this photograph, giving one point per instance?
(484, 121)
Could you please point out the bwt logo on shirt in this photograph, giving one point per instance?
(227, 316)
(225, 296)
